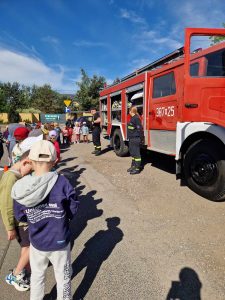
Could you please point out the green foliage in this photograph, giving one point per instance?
(11, 97)
(47, 100)
(217, 39)
(88, 93)
(117, 80)
(3, 103)
(29, 110)
(15, 98)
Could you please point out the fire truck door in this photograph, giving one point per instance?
(163, 112)
(204, 92)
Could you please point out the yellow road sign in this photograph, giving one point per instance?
(67, 102)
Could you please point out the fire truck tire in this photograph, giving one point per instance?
(119, 146)
(204, 169)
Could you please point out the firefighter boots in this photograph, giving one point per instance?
(98, 152)
(132, 166)
(135, 171)
(137, 167)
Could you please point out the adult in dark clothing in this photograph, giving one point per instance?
(1, 144)
(134, 135)
(96, 132)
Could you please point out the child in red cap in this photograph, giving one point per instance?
(20, 135)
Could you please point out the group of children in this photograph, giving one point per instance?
(36, 206)
(73, 134)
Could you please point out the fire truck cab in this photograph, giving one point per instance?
(181, 102)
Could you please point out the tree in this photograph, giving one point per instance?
(217, 39)
(3, 103)
(117, 80)
(88, 93)
(46, 100)
(15, 98)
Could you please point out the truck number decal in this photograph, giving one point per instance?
(165, 111)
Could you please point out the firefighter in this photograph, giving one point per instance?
(96, 132)
(134, 135)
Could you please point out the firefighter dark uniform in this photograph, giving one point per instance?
(134, 135)
(96, 132)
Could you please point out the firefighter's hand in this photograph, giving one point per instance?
(11, 234)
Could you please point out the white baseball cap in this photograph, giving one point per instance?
(43, 151)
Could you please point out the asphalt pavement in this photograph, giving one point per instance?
(135, 237)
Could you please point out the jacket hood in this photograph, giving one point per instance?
(32, 190)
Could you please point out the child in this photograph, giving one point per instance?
(85, 132)
(48, 203)
(70, 133)
(76, 131)
(65, 134)
(58, 130)
(20, 135)
(16, 229)
(53, 138)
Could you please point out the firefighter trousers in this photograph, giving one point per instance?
(134, 149)
(96, 138)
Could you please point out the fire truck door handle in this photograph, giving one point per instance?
(191, 105)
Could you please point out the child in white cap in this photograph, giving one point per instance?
(48, 203)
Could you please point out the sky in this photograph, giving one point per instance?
(49, 41)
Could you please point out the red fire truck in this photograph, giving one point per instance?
(181, 101)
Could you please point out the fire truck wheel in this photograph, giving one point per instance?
(120, 148)
(204, 169)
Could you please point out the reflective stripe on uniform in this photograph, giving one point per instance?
(137, 159)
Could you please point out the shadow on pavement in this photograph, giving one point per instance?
(64, 148)
(159, 160)
(67, 159)
(105, 150)
(96, 250)
(72, 175)
(188, 288)
(88, 210)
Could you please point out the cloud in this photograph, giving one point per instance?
(131, 16)
(51, 40)
(207, 13)
(54, 43)
(10, 42)
(18, 67)
(84, 43)
(139, 63)
(152, 40)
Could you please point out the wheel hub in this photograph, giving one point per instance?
(204, 169)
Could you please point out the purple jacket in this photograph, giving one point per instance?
(49, 219)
